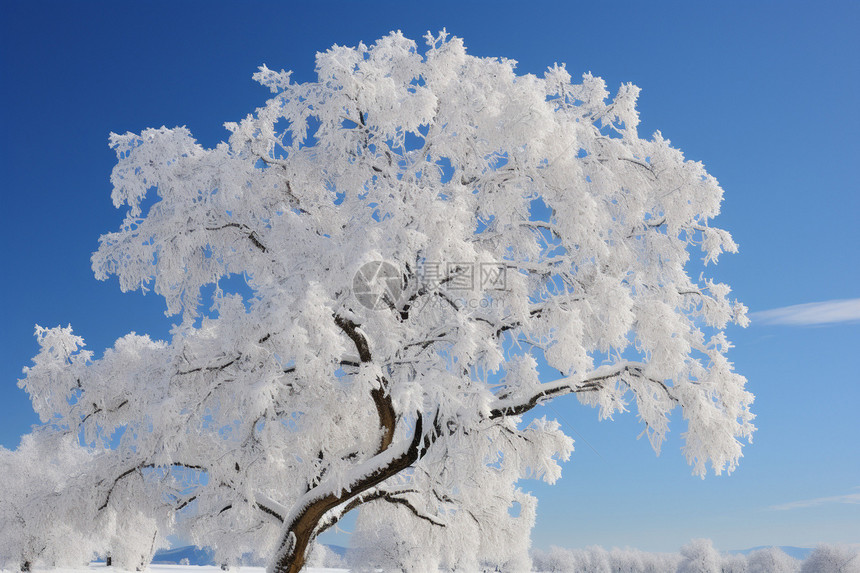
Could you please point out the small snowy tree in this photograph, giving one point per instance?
(322, 556)
(660, 562)
(381, 542)
(772, 560)
(555, 560)
(734, 563)
(699, 556)
(135, 541)
(626, 561)
(594, 559)
(415, 232)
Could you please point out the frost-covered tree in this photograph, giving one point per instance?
(134, 540)
(559, 560)
(322, 556)
(555, 560)
(659, 562)
(699, 556)
(415, 232)
(42, 501)
(772, 560)
(734, 563)
(626, 561)
(594, 559)
(379, 543)
(833, 559)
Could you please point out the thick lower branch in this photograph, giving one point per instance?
(304, 526)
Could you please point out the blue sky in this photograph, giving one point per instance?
(765, 93)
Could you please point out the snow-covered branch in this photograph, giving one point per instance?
(589, 382)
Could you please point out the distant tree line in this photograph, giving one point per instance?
(698, 556)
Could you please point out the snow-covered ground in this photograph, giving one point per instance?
(101, 568)
(697, 556)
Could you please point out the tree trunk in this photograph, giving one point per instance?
(298, 533)
(301, 534)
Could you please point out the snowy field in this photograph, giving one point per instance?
(699, 556)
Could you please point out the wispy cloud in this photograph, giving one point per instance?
(850, 498)
(827, 312)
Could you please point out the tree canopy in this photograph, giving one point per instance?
(422, 237)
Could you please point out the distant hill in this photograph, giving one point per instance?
(205, 555)
(796, 552)
(195, 556)
(337, 549)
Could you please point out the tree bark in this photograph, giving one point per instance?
(301, 530)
